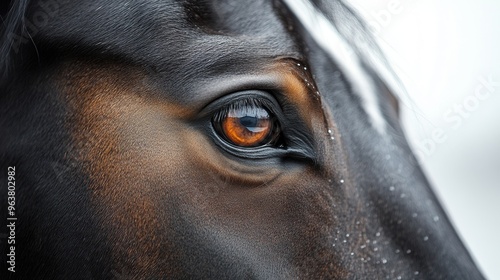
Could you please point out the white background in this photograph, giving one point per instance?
(442, 50)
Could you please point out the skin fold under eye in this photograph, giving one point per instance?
(246, 123)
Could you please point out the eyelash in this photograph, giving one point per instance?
(240, 104)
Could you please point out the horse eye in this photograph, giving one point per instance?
(246, 125)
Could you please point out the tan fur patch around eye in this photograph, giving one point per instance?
(298, 87)
(107, 115)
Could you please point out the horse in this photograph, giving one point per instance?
(196, 139)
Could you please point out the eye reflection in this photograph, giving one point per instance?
(246, 124)
(247, 127)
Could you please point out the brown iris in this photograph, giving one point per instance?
(247, 126)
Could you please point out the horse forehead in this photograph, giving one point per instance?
(161, 27)
(182, 45)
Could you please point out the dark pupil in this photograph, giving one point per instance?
(253, 119)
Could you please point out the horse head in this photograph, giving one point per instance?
(211, 139)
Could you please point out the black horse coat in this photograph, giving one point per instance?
(120, 118)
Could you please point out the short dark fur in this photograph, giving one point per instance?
(350, 213)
